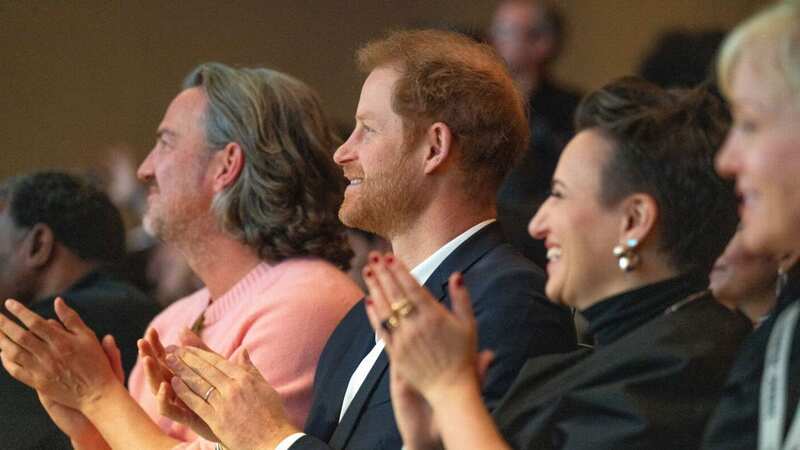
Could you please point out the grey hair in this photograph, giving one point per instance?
(285, 201)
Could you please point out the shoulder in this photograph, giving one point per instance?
(506, 279)
(504, 264)
(315, 272)
(706, 318)
(701, 336)
(310, 285)
(105, 297)
(190, 307)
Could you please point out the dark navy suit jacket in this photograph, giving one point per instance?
(514, 318)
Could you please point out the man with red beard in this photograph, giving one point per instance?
(438, 125)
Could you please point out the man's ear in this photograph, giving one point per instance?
(228, 166)
(39, 246)
(640, 215)
(438, 141)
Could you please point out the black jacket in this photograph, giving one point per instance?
(514, 319)
(734, 424)
(650, 383)
(108, 306)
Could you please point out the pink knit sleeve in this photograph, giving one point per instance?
(285, 342)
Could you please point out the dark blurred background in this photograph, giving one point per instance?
(79, 77)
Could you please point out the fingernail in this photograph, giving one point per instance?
(171, 360)
(170, 348)
(12, 304)
(389, 259)
(368, 273)
(375, 258)
(459, 280)
(368, 301)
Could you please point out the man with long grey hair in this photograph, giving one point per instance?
(241, 181)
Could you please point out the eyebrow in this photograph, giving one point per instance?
(165, 132)
(737, 104)
(365, 116)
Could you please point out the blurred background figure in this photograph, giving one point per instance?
(529, 36)
(745, 280)
(62, 236)
(156, 267)
(681, 58)
(362, 242)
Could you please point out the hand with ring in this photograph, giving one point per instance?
(231, 398)
(430, 346)
(433, 351)
(158, 377)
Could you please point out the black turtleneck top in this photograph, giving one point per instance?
(614, 317)
(662, 355)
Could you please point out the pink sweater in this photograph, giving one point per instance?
(283, 315)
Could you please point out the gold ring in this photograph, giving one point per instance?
(208, 393)
(391, 323)
(402, 307)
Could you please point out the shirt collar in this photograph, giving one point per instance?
(425, 269)
(422, 271)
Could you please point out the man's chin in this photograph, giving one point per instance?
(354, 218)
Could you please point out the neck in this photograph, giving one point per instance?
(62, 273)
(527, 82)
(219, 261)
(650, 271)
(434, 228)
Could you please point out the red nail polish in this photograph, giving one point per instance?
(368, 273)
(368, 301)
(459, 281)
(375, 258)
(389, 259)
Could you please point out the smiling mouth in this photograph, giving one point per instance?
(553, 254)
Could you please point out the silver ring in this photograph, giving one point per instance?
(208, 393)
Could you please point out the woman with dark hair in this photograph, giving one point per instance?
(633, 225)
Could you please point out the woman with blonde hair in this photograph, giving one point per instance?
(759, 72)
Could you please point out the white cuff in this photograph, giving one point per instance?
(289, 441)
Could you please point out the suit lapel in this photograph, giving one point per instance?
(460, 260)
(348, 423)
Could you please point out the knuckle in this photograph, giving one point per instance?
(26, 339)
(37, 324)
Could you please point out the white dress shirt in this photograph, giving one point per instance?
(421, 273)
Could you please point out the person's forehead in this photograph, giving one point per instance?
(519, 13)
(376, 93)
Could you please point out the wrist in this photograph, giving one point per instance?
(276, 436)
(97, 402)
(464, 384)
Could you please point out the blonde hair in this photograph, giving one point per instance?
(775, 30)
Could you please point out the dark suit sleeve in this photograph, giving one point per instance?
(515, 320)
